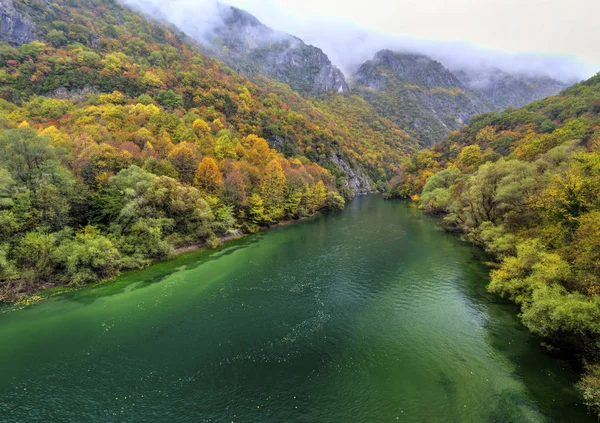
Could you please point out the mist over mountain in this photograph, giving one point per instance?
(346, 45)
(248, 46)
(428, 88)
(349, 45)
(419, 94)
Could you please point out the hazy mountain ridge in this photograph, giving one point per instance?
(245, 44)
(422, 95)
(250, 47)
(505, 90)
(429, 100)
(418, 93)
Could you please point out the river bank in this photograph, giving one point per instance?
(34, 293)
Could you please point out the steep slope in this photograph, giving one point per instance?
(505, 90)
(417, 93)
(293, 125)
(524, 185)
(251, 48)
(243, 38)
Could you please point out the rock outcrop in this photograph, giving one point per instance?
(355, 180)
(251, 48)
(15, 27)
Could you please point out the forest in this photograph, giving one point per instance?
(524, 185)
(120, 142)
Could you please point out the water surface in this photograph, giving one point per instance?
(367, 315)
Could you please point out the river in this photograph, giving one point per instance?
(366, 315)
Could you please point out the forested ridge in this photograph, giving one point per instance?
(121, 142)
(524, 185)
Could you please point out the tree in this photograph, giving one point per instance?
(23, 153)
(315, 197)
(169, 99)
(273, 190)
(469, 158)
(224, 146)
(87, 257)
(35, 256)
(208, 177)
(256, 211)
(185, 160)
(437, 193)
(498, 193)
(56, 38)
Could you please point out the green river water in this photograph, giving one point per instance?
(367, 315)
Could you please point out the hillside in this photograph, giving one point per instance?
(120, 142)
(318, 131)
(524, 184)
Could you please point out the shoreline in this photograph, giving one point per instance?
(50, 289)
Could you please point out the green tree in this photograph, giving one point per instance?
(169, 99)
(88, 257)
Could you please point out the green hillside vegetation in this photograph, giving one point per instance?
(525, 185)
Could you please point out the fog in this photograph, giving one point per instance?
(348, 44)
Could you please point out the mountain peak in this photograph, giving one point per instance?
(248, 46)
(233, 16)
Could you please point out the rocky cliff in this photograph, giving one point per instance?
(251, 47)
(15, 27)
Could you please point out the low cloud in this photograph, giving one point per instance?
(348, 45)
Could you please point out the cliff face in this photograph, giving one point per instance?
(251, 47)
(388, 67)
(15, 27)
(420, 94)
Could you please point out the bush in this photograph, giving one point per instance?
(88, 257)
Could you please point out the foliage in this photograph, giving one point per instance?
(525, 185)
(120, 144)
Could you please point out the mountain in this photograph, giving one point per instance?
(429, 101)
(340, 133)
(239, 39)
(247, 45)
(505, 90)
(418, 93)
(121, 141)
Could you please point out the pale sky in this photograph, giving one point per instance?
(563, 27)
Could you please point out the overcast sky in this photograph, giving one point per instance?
(559, 27)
